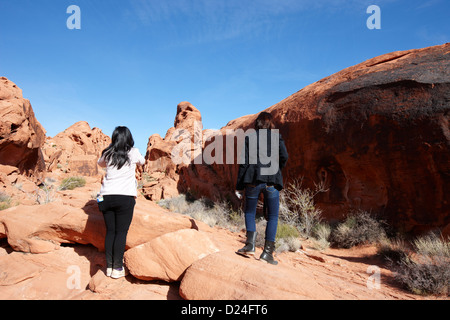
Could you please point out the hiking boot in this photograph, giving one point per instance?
(249, 248)
(267, 254)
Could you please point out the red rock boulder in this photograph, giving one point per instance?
(21, 134)
(168, 256)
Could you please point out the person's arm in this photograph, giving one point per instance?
(138, 158)
(283, 153)
(243, 167)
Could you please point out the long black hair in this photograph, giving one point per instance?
(116, 154)
(264, 121)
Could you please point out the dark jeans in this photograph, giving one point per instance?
(272, 201)
(118, 213)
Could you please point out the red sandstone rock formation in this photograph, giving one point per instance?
(163, 174)
(168, 256)
(75, 150)
(21, 134)
(376, 135)
(74, 219)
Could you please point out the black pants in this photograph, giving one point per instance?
(118, 213)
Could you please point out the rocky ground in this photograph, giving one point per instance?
(170, 257)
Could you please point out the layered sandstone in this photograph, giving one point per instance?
(21, 134)
(74, 218)
(377, 136)
(75, 150)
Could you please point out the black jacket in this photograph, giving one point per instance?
(251, 171)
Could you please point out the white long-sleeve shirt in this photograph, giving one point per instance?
(122, 181)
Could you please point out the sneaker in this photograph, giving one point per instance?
(108, 272)
(119, 273)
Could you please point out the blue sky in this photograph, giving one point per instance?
(133, 61)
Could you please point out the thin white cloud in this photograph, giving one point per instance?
(427, 4)
(217, 20)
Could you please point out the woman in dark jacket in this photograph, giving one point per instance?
(261, 173)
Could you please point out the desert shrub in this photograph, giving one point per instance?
(358, 228)
(285, 230)
(47, 191)
(5, 201)
(393, 250)
(72, 183)
(176, 204)
(297, 206)
(425, 270)
(432, 245)
(288, 244)
(287, 238)
(213, 214)
(321, 235)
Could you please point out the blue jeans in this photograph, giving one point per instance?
(272, 201)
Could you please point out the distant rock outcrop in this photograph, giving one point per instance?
(75, 150)
(21, 134)
(167, 178)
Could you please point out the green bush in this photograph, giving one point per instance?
(72, 183)
(285, 230)
(287, 238)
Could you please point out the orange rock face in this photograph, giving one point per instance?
(376, 135)
(21, 134)
(166, 176)
(75, 150)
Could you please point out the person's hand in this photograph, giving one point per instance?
(238, 194)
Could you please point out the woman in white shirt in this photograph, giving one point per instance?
(117, 196)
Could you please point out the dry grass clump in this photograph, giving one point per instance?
(213, 214)
(72, 183)
(5, 201)
(422, 267)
